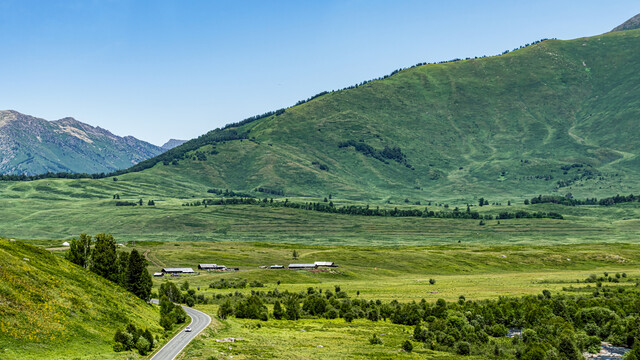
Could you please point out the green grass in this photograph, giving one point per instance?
(52, 309)
(499, 127)
(385, 273)
(51, 209)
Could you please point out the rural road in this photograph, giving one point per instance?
(199, 321)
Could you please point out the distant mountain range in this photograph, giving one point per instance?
(30, 145)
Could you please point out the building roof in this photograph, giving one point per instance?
(276, 266)
(211, 266)
(324, 263)
(178, 270)
(158, 274)
(302, 265)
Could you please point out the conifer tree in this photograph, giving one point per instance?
(104, 257)
(138, 278)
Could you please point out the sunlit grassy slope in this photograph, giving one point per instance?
(52, 309)
(500, 127)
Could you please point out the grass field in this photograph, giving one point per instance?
(385, 273)
(388, 273)
(32, 218)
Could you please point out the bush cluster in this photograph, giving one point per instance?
(132, 337)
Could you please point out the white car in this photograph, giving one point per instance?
(188, 329)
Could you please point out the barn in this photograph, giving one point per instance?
(178, 271)
(302, 266)
(212, 267)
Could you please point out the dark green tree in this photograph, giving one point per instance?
(278, 312)
(407, 346)
(123, 264)
(292, 311)
(104, 258)
(567, 348)
(138, 278)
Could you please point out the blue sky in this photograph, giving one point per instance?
(162, 69)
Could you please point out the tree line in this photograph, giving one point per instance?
(388, 153)
(570, 201)
(99, 255)
(329, 207)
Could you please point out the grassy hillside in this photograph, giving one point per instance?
(500, 126)
(52, 309)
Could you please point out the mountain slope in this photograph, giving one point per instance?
(52, 309)
(557, 116)
(172, 143)
(631, 24)
(30, 145)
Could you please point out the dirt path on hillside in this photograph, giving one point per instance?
(154, 260)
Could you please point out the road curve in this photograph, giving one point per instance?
(199, 321)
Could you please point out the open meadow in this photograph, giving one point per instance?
(402, 273)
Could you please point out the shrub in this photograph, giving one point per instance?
(331, 313)
(143, 346)
(463, 348)
(419, 334)
(179, 315)
(118, 347)
(407, 346)
(375, 340)
(432, 281)
(166, 321)
(225, 310)
(498, 330)
(147, 335)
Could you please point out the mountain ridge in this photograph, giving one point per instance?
(171, 143)
(32, 145)
(631, 24)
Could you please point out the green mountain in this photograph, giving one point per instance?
(631, 24)
(30, 145)
(53, 309)
(555, 116)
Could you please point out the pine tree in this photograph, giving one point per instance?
(123, 265)
(138, 278)
(104, 257)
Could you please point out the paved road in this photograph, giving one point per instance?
(199, 321)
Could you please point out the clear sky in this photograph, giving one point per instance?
(163, 69)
